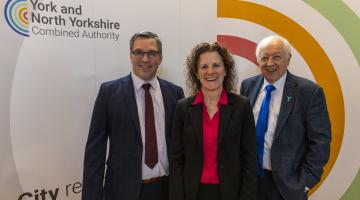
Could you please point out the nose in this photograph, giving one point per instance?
(145, 58)
(210, 70)
(270, 62)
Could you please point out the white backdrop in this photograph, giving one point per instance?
(49, 82)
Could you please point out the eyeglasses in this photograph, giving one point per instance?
(150, 54)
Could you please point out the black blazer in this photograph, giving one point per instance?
(115, 119)
(301, 144)
(236, 150)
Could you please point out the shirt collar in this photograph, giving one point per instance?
(279, 84)
(199, 98)
(138, 82)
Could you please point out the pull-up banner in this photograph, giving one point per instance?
(55, 54)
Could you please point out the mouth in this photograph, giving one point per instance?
(270, 69)
(210, 78)
(145, 66)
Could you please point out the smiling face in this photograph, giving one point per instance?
(273, 60)
(146, 66)
(211, 71)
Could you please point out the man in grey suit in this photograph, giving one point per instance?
(133, 116)
(294, 144)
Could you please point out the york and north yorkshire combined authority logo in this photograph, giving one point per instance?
(16, 15)
(51, 19)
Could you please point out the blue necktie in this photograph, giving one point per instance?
(261, 127)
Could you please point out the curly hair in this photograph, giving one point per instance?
(192, 62)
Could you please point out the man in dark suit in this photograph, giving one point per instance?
(295, 144)
(132, 115)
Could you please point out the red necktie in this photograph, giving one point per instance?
(151, 151)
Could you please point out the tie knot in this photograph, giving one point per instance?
(146, 86)
(270, 88)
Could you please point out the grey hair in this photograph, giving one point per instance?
(268, 39)
(146, 35)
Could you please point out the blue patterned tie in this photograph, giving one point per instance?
(261, 127)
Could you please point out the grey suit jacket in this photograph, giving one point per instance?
(236, 150)
(115, 122)
(301, 144)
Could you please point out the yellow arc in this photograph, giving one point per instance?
(21, 17)
(311, 51)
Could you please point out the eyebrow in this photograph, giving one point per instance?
(271, 54)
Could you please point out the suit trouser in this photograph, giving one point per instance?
(158, 190)
(209, 192)
(267, 189)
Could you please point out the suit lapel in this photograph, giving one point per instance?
(164, 92)
(254, 91)
(195, 112)
(225, 114)
(131, 101)
(290, 94)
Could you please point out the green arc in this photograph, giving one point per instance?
(347, 23)
(343, 19)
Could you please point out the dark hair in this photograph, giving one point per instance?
(192, 62)
(146, 34)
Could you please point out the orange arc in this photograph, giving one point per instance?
(20, 13)
(319, 63)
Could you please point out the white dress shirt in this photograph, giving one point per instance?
(162, 167)
(274, 109)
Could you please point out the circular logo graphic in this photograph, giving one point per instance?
(308, 47)
(16, 15)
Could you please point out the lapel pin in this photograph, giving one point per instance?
(289, 98)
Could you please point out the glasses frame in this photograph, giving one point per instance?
(139, 54)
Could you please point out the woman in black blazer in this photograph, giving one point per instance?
(213, 145)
